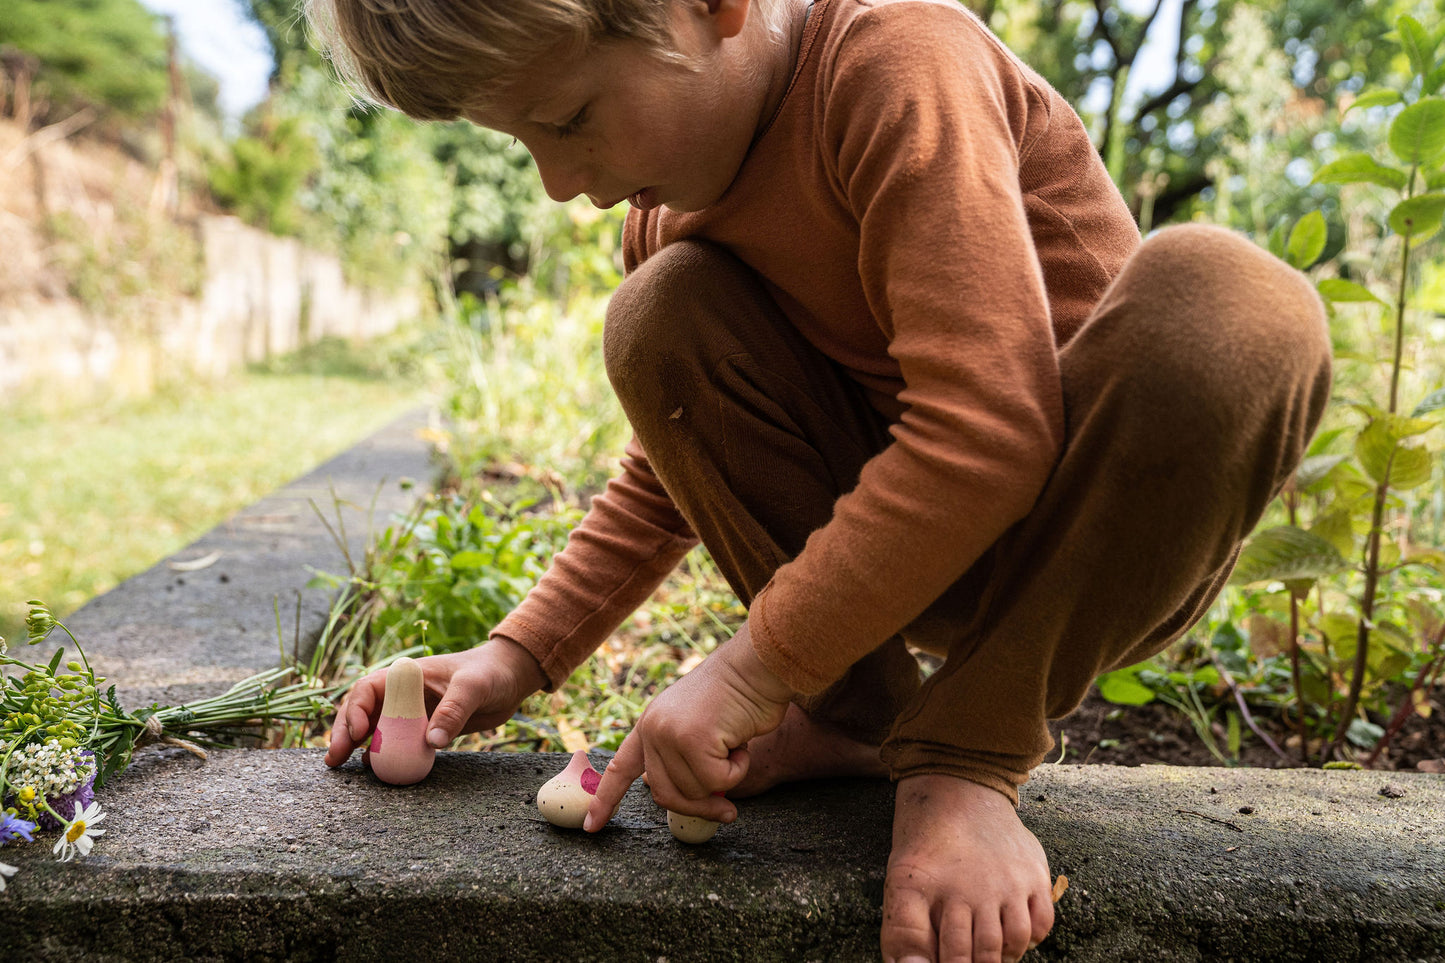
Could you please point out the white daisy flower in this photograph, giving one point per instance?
(78, 835)
(5, 871)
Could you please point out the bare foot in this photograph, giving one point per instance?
(966, 880)
(803, 749)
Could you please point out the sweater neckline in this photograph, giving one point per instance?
(813, 17)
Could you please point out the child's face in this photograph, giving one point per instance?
(621, 123)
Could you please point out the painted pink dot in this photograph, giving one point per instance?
(590, 779)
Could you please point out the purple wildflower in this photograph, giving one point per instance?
(13, 828)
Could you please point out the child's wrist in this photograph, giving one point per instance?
(751, 667)
(525, 667)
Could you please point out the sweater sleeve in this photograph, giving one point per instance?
(924, 122)
(630, 539)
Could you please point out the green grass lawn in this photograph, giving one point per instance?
(93, 495)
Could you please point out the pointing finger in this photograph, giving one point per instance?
(620, 774)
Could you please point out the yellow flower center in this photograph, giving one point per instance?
(76, 830)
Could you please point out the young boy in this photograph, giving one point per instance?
(892, 350)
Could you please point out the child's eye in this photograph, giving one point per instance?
(575, 124)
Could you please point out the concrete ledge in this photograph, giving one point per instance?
(172, 636)
(271, 856)
(261, 856)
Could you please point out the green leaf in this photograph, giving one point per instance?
(1286, 553)
(1342, 630)
(471, 560)
(1387, 665)
(1418, 215)
(1434, 401)
(55, 661)
(1411, 468)
(1391, 637)
(1408, 426)
(1419, 46)
(1376, 98)
(1435, 180)
(1364, 734)
(1361, 169)
(1324, 439)
(1337, 528)
(1338, 289)
(1373, 448)
(1417, 134)
(1434, 80)
(1388, 462)
(1307, 240)
(1123, 688)
(1276, 240)
(1433, 557)
(1315, 469)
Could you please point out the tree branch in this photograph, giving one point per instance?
(46, 135)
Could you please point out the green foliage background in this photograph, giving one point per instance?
(1246, 124)
(100, 52)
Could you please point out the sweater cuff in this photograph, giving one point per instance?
(1001, 772)
(799, 674)
(519, 631)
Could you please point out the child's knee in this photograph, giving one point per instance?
(1214, 293)
(661, 311)
(1204, 322)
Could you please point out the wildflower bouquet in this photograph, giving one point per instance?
(61, 739)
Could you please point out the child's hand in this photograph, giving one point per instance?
(692, 740)
(465, 692)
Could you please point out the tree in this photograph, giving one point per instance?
(108, 54)
(1152, 137)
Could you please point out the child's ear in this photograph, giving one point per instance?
(728, 16)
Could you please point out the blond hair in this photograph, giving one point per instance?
(439, 59)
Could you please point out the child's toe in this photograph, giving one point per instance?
(955, 934)
(988, 938)
(907, 926)
(1041, 917)
(1017, 930)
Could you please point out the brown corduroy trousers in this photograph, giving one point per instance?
(1190, 395)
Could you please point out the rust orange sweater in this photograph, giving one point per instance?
(932, 216)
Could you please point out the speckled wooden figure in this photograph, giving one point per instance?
(563, 799)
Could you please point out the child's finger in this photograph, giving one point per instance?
(452, 713)
(353, 722)
(619, 775)
(341, 745)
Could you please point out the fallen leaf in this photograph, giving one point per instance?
(573, 739)
(1060, 884)
(195, 564)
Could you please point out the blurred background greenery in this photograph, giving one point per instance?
(1217, 110)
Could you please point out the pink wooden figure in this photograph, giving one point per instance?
(399, 753)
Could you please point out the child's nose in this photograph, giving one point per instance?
(563, 178)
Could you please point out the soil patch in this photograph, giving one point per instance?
(1157, 734)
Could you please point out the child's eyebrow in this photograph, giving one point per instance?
(558, 100)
